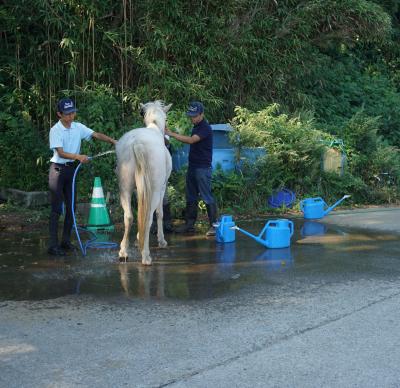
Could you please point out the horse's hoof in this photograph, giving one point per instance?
(147, 262)
(123, 259)
(162, 244)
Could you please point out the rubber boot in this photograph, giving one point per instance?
(190, 219)
(167, 219)
(54, 248)
(212, 218)
(67, 230)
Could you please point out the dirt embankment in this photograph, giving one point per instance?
(22, 219)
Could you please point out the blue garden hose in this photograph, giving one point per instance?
(91, 243)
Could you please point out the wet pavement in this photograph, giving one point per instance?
(193, 267)
(208, 314)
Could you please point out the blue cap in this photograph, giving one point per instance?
(66, 106)
(195, 108)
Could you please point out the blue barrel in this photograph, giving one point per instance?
(224, 233)
(278, 233)
(223, 158)
(313, 208)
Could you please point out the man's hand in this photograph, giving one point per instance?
(83, 158)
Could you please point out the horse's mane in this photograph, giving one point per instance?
(154, 114)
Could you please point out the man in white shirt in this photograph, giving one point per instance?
(65, 140)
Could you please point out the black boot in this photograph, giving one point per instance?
(67, 230)
(54, 248)
(190, 219)
(167, 219)
(212, 218)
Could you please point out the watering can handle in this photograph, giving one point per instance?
(291, 228)
(264, 228)
(322, 200)
(301, 205)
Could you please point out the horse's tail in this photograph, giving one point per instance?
(143, 187)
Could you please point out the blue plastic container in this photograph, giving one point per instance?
(278, 233)
(221, 136)
(224, 233)
(223, 158)
(313, 208)
(281, 198)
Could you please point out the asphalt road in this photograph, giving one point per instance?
(324, 323)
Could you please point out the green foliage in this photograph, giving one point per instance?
(293, 145)
(322, 69)
(23, 162)
(294, 151)
(343, 87)
(178, 122)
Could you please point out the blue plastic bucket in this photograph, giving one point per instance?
(281, 198)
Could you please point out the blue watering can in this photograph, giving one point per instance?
(275, 234)
(314, 208)
(225, 232)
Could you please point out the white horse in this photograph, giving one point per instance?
(144, 162)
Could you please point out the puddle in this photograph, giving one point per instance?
(193, 267)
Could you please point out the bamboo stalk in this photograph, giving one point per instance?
(93, 52)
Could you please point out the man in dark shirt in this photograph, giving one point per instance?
(198, 178)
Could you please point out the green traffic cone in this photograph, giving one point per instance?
(98, 215)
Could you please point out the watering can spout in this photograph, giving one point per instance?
(275, 234)
(336, 204)
(257, 238)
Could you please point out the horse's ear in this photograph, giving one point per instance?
(167, 108)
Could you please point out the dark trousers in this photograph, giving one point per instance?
(198, 183)
(60, 186)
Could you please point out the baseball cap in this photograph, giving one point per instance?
(66, 106)
(195, 108)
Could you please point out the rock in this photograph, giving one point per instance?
(29, 199)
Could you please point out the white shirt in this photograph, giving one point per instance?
(68, 138)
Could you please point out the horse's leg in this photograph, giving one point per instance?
(146, 258)
(125, 198)
(160, 229)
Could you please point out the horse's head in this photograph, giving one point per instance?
(155, 113)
